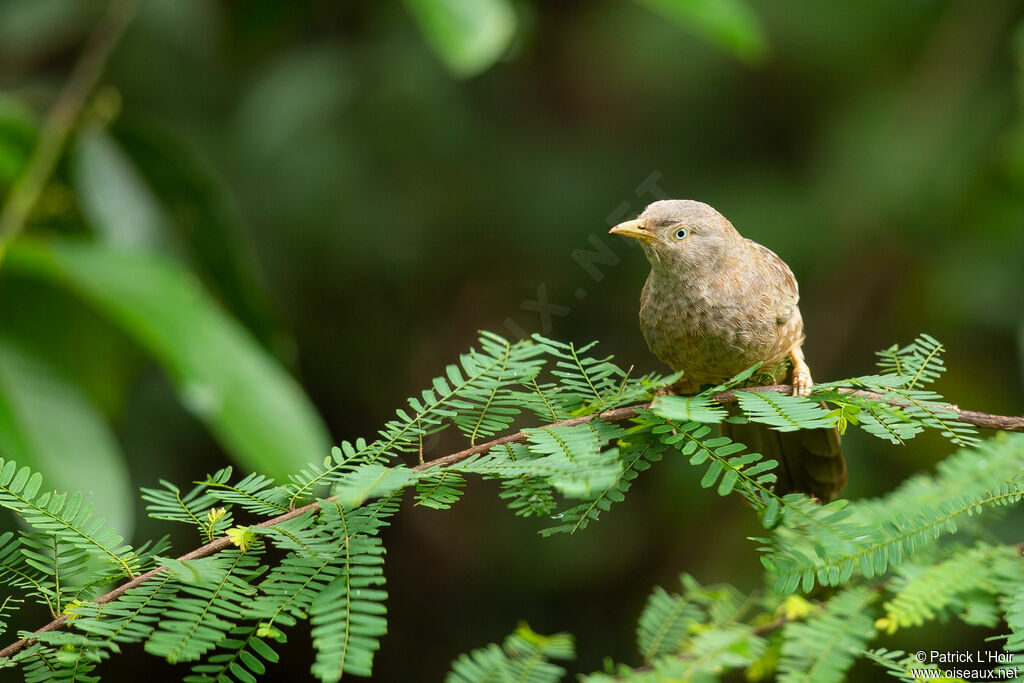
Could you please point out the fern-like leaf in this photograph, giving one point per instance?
(488, 405)
(16, 572)
(582, 478)
(593, 384)
(439, 490)
(255, 493)
(784, 413)
(666, 624)
(61, 656)
(524, 658)
(634, 461)
(821, 649)
(315, 476)
(169, 503)
(526, 495)
(67, 516)
(7, 606)
(921, 597)
(131, 618)
(348, 615)
(919, 362)
(220, 588)
(750, 472)
(1014, 608)
(372, 480)
(699, 408)
(877, 548)
(60, 562)
(240, 661)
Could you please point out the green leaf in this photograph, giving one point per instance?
(256, 410)
(524, 657)
(665, 624)
(114, 198)
(731, 24)
(205, 219)
(825, 646)
(784, 413)
(49, 426)
(371, 481)
(918, 363)
(469, 35)
(687, 408)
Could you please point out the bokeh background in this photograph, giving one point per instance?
(364, 185)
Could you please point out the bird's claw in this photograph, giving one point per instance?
(802, 382)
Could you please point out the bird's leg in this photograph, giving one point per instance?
(802, 381)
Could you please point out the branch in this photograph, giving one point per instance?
(61, 119)
(1005, 423)
(983, 420)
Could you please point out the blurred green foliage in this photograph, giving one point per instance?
(349, 190)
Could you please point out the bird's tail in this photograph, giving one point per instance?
(810, 460)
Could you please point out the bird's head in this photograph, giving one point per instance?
(681, 233)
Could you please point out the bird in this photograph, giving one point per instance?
(715, 303)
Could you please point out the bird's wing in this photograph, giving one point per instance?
(783, 280)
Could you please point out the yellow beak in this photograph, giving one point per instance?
(634, 228)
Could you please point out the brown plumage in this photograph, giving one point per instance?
(714, 304)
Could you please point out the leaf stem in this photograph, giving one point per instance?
(61, 120)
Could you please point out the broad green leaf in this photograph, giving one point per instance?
(731, 24)
(114, 198)
(48, 425)
(203, 216)
(257, 411)
(469, 35)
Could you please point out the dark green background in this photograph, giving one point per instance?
(363, 211)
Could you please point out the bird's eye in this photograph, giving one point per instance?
(681, 233)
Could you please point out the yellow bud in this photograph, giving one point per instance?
(240, 536)
(795, 607)
(887, 625)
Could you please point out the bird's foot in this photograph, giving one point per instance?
(802, 382)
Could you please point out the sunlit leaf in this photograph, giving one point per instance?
(257, 411)
(114, 198)
(206, 220)
(731, 24)
(469, 35)
(48, 425)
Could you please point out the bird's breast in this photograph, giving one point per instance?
(710, 330)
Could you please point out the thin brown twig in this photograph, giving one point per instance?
(622, 414)
(61, 120)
